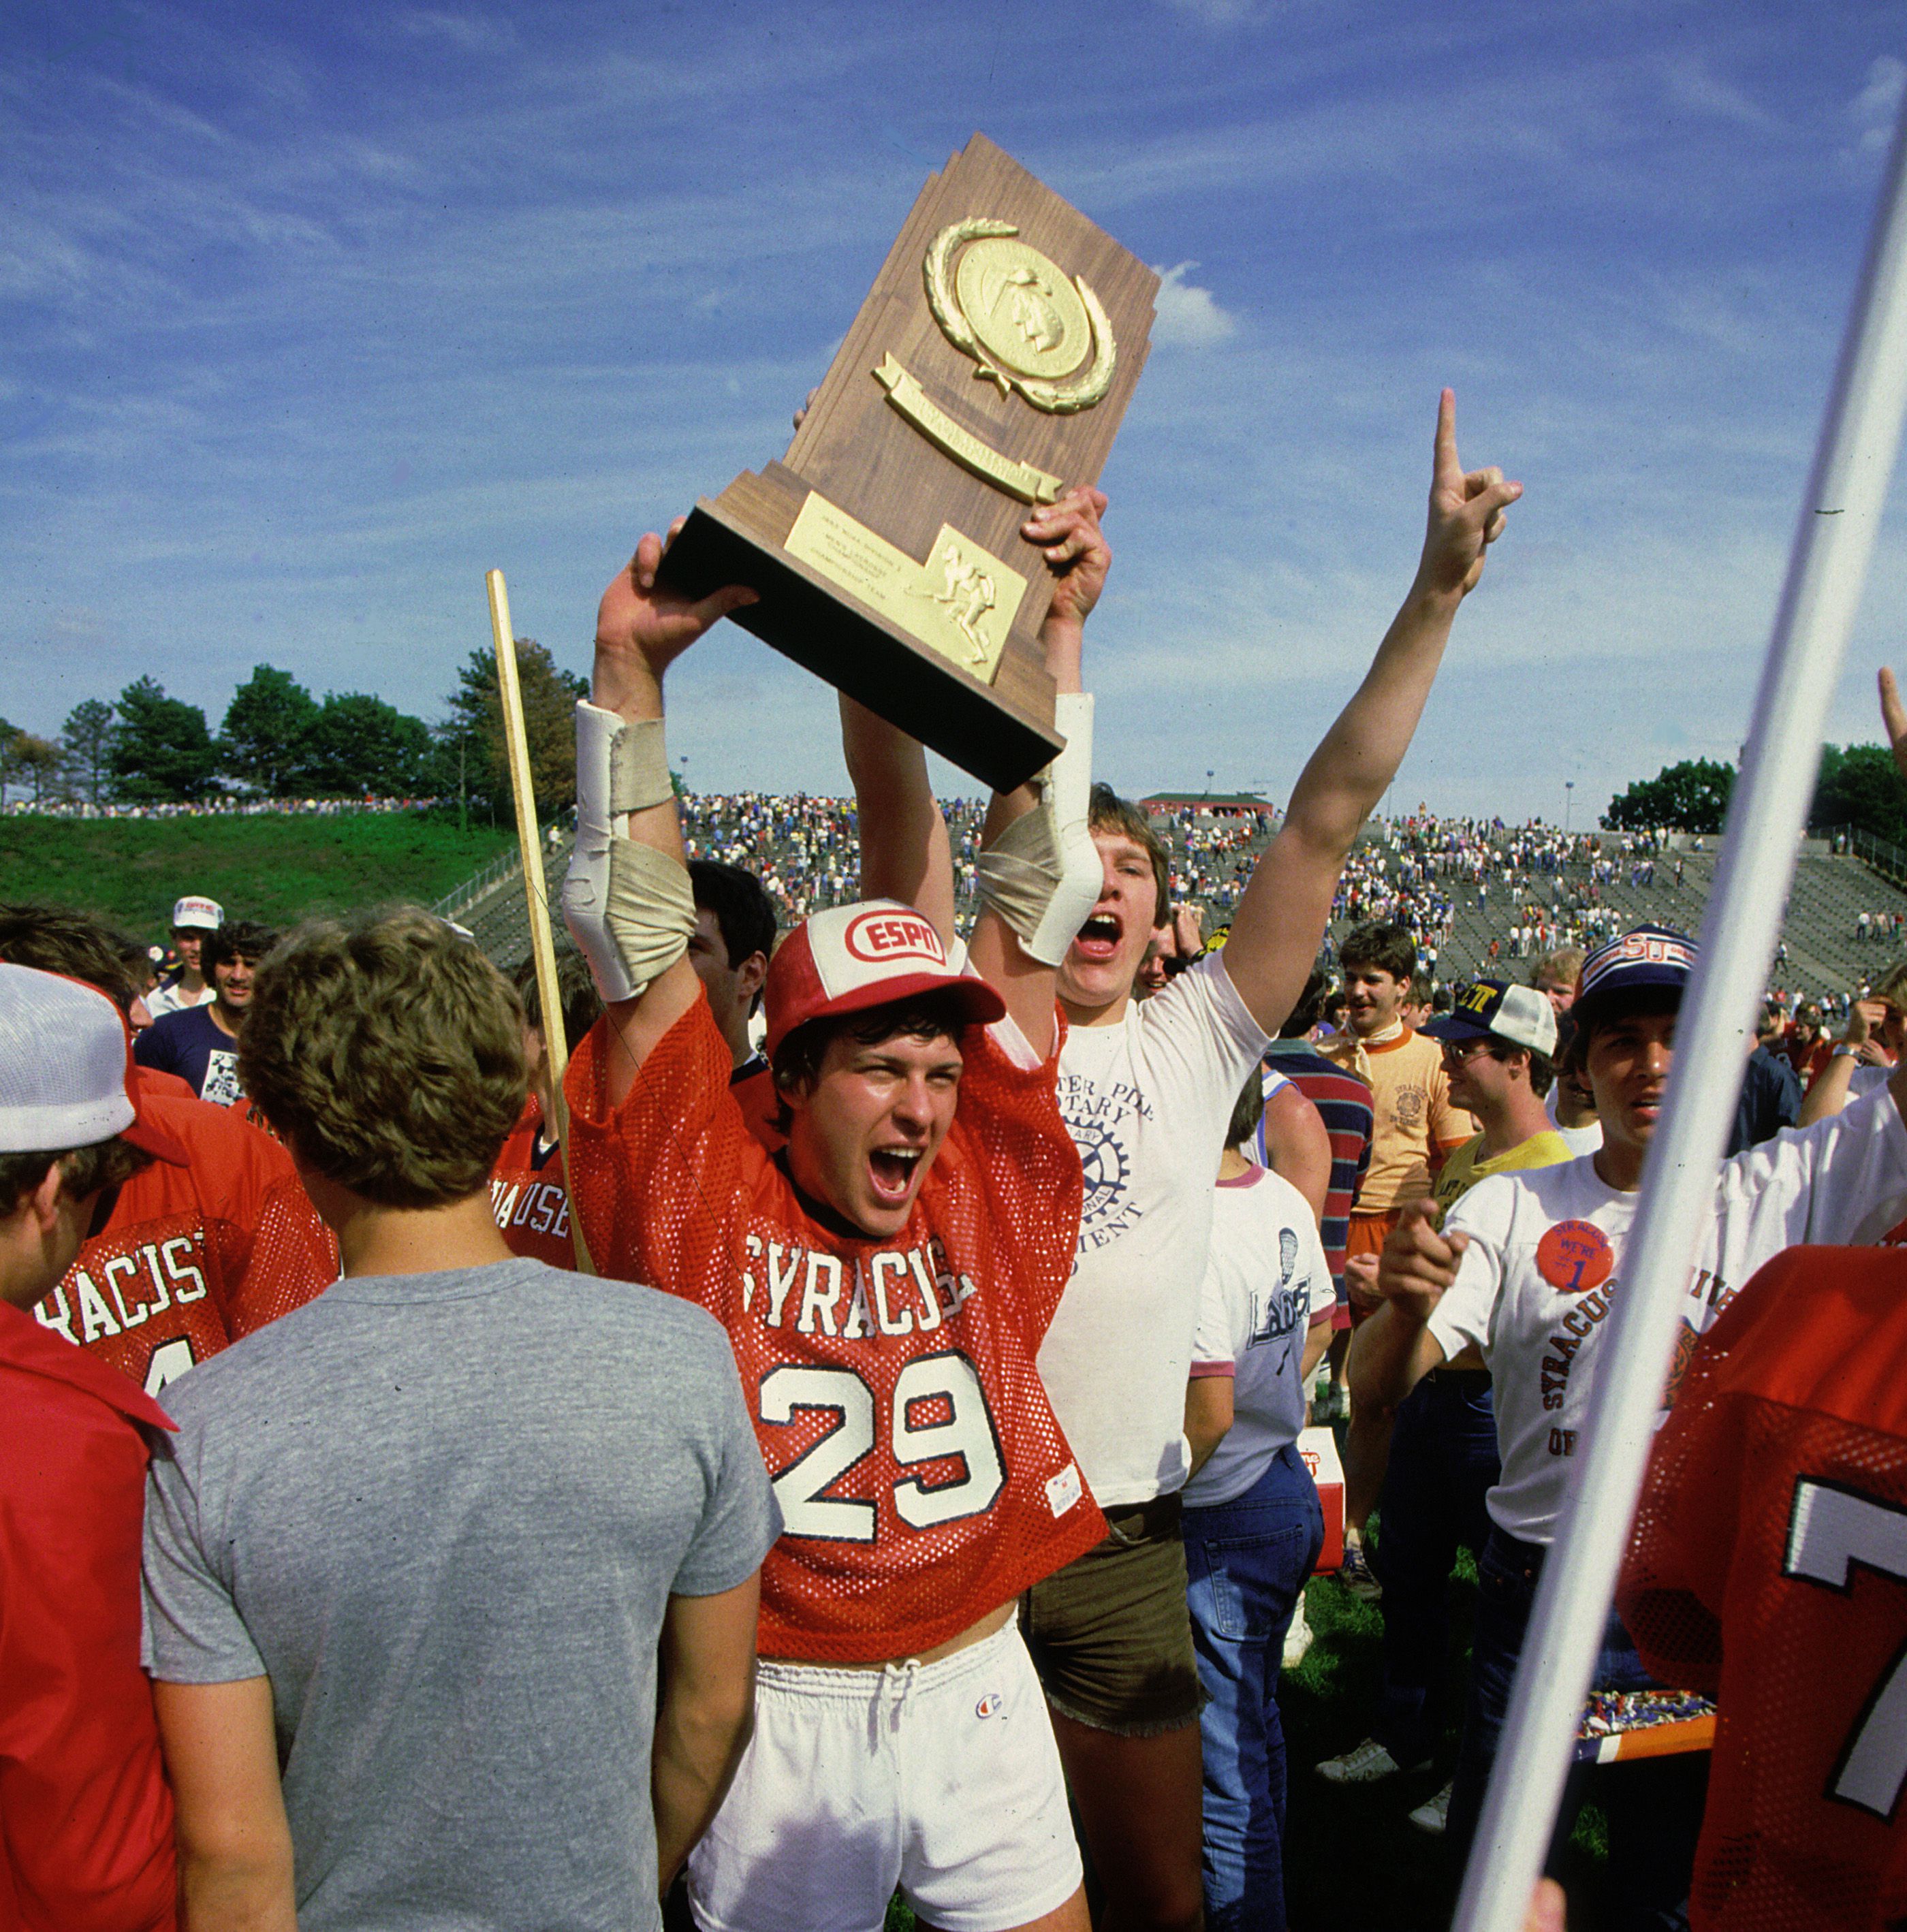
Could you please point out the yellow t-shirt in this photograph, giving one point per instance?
(1412, 1118)
(1465, 1168)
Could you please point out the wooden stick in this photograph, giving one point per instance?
(542, 941)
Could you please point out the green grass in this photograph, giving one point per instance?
(277, 870)
(1352, 1864)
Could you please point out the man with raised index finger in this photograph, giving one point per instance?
(1147, 1088)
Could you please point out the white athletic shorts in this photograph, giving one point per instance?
(941, 1779)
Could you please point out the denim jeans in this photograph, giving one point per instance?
(1443, 1464)
(1246, 1561)
(1653, 1804)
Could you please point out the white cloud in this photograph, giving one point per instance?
(1187, 316)
(1874, 109)
(467, 35)
(1220, 13)
(1691, 85)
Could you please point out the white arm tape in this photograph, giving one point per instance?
(1043, 875)
(638, 767)
(628, 907)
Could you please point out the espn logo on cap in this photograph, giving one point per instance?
(880, 936)
(848, 959)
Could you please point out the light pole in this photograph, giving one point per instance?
(1569, 790)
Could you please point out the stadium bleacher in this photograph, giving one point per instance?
(1213, 851)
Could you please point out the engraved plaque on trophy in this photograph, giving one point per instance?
(987, 372)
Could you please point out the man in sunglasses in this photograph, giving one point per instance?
(1498, 1049)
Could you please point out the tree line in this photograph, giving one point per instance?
(277, 741)
(1858, 785)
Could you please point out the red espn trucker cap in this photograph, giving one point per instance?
(852, 957)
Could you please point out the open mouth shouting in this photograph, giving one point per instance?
(1099, 938)
(892, 1172)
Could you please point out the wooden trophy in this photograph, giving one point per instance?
(987, 372)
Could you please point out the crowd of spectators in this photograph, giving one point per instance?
(229, 805)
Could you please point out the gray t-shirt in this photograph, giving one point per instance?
(443, 1513)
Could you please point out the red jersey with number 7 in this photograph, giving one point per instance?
(923, 1479)
(193, 1257)
(1769, 1569)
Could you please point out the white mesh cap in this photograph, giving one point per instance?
(197, 914)
(62, 1064)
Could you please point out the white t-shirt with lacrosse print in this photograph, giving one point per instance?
(1266, 1282)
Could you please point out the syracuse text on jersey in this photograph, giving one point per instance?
(894, 1292)
(539, 1207)
(161, 1275)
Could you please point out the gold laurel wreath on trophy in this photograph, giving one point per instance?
(1056, 398)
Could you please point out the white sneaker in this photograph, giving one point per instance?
(1369, 1764)
(1297, 1638)
(1433, 1816)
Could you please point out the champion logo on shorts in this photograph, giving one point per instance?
(990, 1705)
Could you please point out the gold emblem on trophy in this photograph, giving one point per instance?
(1021, 318)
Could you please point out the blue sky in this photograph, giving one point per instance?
(313, 315)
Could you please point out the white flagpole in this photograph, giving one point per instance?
(1826, 569)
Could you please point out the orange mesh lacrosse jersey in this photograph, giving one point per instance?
(922, 1478)
(529, 1193)
(1769, 1568)
(193, 1257)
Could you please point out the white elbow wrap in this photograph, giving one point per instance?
(628, 907)
(1042, 875)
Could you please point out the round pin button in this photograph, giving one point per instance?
(1575, 1256)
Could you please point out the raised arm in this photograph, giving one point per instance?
(1830, 1089)
(905, 852)
(1039, 871)
(1282, 919)
(626, 897)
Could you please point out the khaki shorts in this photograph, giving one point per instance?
(1110, 1635)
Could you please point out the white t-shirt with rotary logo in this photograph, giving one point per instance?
(1147, 1102)
(1538, 1283)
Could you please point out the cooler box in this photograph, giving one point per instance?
(1319, 1447)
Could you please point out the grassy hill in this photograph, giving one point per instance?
(277, 870)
